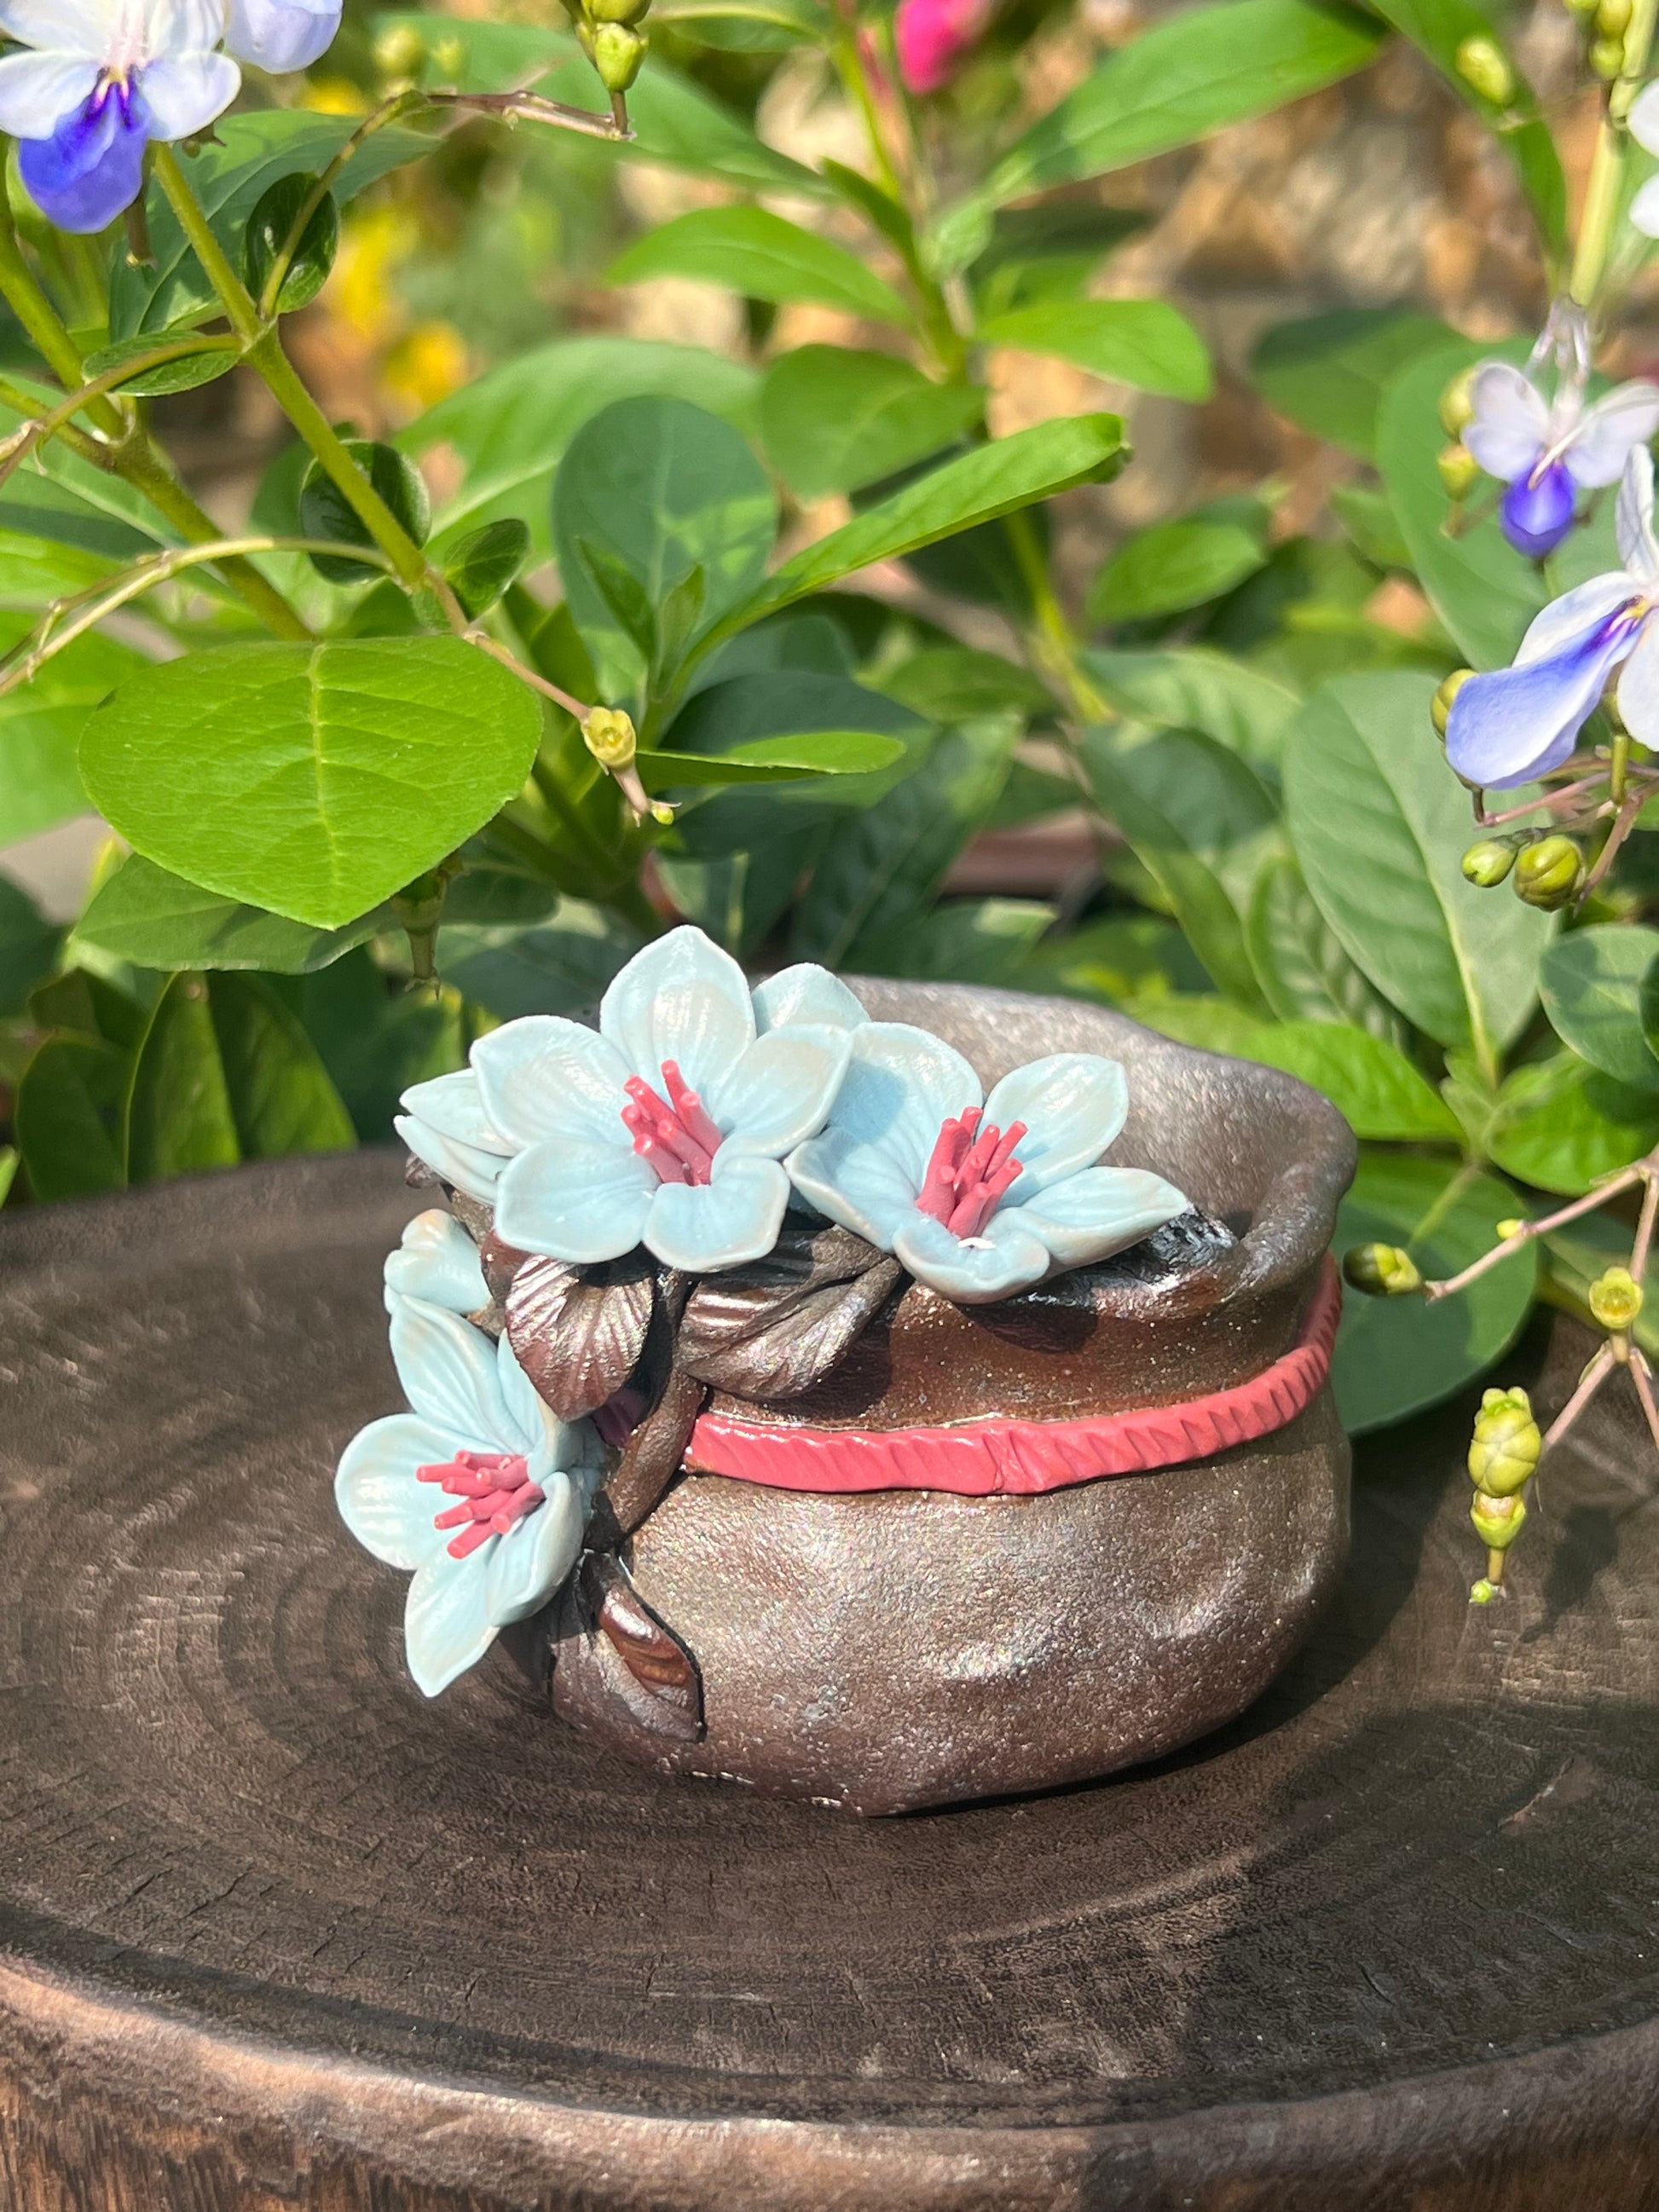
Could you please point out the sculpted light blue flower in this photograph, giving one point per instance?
(1513, 724)
(437, 1261)
(104, 77)
(979, 1197)
(667, 1127)
(478, 1489)
(1548, 449)
(444, 1123)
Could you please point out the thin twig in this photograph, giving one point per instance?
(1589, 1384)
(1639, 1250)
(532, 107)
(1621, 829)
(397, 103)
(1529, 1230)
(1641, 1375)
(1551, 799)
(496, 651)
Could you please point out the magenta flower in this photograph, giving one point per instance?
(931, 37)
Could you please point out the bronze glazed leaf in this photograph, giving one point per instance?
(775, 1327)
(657, 1677)
(578, 1332)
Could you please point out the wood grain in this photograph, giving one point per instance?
(274, 1931)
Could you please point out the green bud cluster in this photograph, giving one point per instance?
(1548, 873)
(1483, 65)
(1615, 1298)
(1488, 861)
(1381, 1271)
(1503, 1455)
(1459, 472)
(1441, 706)
(612, 37)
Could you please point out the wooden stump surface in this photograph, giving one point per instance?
(275, 1930)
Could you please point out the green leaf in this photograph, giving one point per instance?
(143, 915)
(1188, 76)
(1198, 818)
(879, 871)
(314, 780)
(773, 760)
(1195, 689)
(1304, 974)
(29, 945)
(1379, 825)
(951, 684)
(225, 1073)
(267, 233)
(57, 495)
(325, 512)
(677, 123)
(70, 1117)
(1115, 958)
(1370, 523)
(1182, 563)
(1327, 373)
(559, 967)
(465, 54)
(509, 428)
(991, 480)
(1396, 1356)
(1484, 592)
(230, 178)
(207, 358)
(374, 1038)
(1438, 29)
(1144, 342)
(40, 725)
(967, 940)
(34, 570)
(89, 1006)
(479, 567)
(834, 420)
(11, 1158)
(1590, 982)
(1562, 1125)
(737, 897)
(762, 256)
(661, 488)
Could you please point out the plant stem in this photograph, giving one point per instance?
(1643, 1244)
(44, 324)
(1606, 178)
(1528, 1229)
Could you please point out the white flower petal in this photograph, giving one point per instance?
(680, 999)
(1073, 1105)
(1633, 519)
(1088, 1217)
(1564, 620)
(387, 1510)
(1600, 446)
(720, 1224)
(1510, 424)
(447, 1368)
(533, 1559)
(80, 27)
(1005, 1258)
(779, 1091)
(174, 27)
(447, 1627)
(546, 1076)
(581, 1202)
(900, 1086)
(183, 93)
(37, 91)
(1639, 687)
(453, 1106)
(1644, 208)
(864, 1187)
(437, 1260)
(475, 1172)
(1644, 120)
(806, 993)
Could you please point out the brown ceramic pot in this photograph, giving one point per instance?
(897, 1648)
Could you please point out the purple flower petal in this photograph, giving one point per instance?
(93, 165)
(1514, 724)
(1537, 510)
(282, 35)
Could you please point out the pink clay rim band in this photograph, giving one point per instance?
(1019, 1459)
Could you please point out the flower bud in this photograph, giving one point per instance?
(617, 52)
(1498, 1521)
(1613, 18)
(1483, 1592)
(1481, 64)
(1457, 404)
(615, 11)
(1510, 1227)
(1615, 1298)
(1504, 1448)
(608, 733)
(1606, 57)
(1459, 472)
(1381, 1271)
(1487, 862)
(1549, 872)
(1440, 710)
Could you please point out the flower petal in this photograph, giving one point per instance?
(1633, 519)
(1090, 1216)
(180, 27)
(680, 999)
(547, 1443)
(581, 1202)
(1513, 724)
(902, 1085)
(37, 91)
(1510, 424)
(806, 993)
(1639, 687)
(81, 27)
(534, 1558)
(387, 1510)
(1007, 1257)
(475, 1172)
(447, 1368)
(186, 92)
(280, 35)
(90, 168)
(546, 1076)
(779, 1091)
(1564, 620)
(720, 1224)
(1627, 416)
(1074, 1104)
(437, 1260)
(447, 1627)
(1644, 208)
(1645, 120)
(864, 1187)
(453, 1106)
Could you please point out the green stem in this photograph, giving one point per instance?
(400, 103)
(29, 303)
(1606, 178)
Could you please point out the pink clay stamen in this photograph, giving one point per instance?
(675, 1137)
(969, 1172)
(494, 1491)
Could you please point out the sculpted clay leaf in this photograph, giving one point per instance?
(578, 1332)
